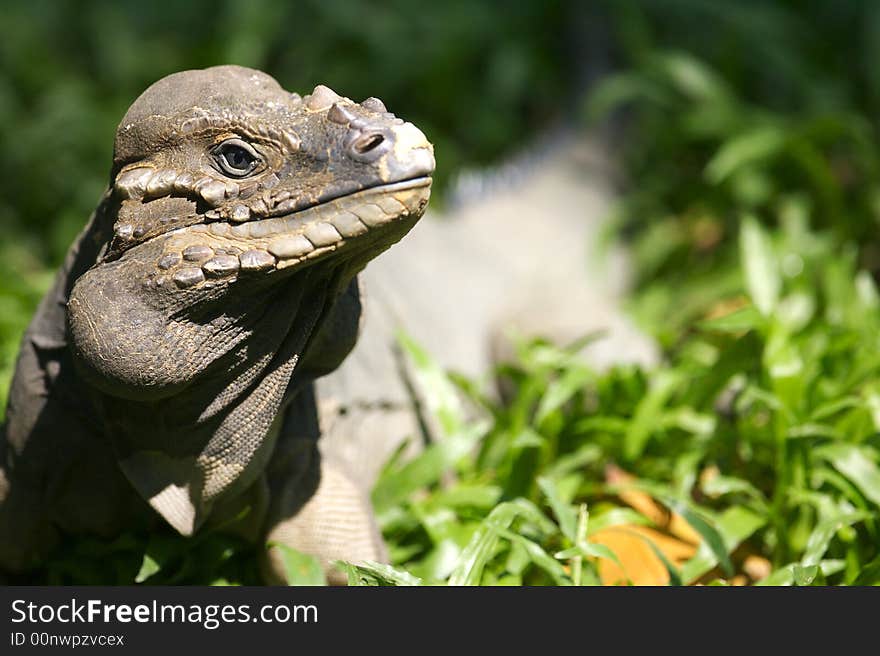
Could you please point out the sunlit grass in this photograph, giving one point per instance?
(760, 431)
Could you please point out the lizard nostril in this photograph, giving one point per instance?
(368, 142)
(369, 145)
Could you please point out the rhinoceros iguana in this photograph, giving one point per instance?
(168, 374)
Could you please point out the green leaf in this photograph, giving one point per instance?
(475, 556)
(872, 404)
(517, 560)
(738, 321)
(441, 396)
(796, 574)
(832, 566)
(744, 150)
(672, 570)
(561, 390)
(570, 462)
(711, 537)
(687, 419)
(869, 574)
(820, 538)
(852, 462)
(617, 90)
(759, 264)
(300, 568)
(804, 575)
(529, 512)
(866, 290)
(778, 577)
(160, 552)
(694, 78)
(464, 495)
(733, 526)
(147, 569)
(373, 574)
(565, 514)
(587, 550)
(527, 438)
(481, 547)
(812, 430)
(616, 517)
(649, 413)
(536, 554)
(427, 468)
(831, 408)
(583, 524)
(717, 486)
(795, 311)
(440, 561)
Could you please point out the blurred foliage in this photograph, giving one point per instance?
(761, 432)
(160, 558)
(733, 107)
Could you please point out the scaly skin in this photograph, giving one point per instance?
(168, 372)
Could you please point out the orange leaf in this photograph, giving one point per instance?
(638, 562)
(642, 502)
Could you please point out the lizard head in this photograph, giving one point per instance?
(245, 177)
(231, 199)
(217, 275)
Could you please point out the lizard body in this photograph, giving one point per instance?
(168, 374)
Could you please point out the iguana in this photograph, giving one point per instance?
(168, 374)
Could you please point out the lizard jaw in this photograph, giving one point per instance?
(218, 253)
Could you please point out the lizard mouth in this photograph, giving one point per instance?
(220, 252)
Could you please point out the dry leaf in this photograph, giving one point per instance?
(643, 503)
(640, 565)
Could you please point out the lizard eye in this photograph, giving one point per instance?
(236, 158)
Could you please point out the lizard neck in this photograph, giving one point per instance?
(201, 439)
(212, 435)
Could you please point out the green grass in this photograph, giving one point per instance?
(780, 399)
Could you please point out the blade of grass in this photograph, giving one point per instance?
(648, 414)
(852, 462)
(565, 514)
(733, 526)
(758, 262)
(373, 574)
(481, 547)
(300, 568)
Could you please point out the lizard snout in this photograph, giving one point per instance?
(400, 151)
(397, 149)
